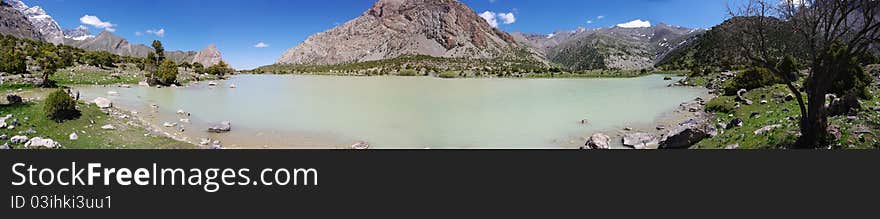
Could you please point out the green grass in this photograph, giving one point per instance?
(772, 113)
(95, 77)
(12, 87)
(448, 74)
(91, 136)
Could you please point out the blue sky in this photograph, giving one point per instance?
(236, 27)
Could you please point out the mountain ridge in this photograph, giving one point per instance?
(394, 28)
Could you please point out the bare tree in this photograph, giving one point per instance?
(823, 33)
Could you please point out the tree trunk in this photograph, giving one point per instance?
(814, 126)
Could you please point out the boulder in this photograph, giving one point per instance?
(789, 97)
(766, 129)
(861, 129)
(640, 140)
(740, 97)
(232, 86)
(731, 147)
(361, 145)
(13, 99)
(737, 122)
(74, 136)
(223, 127)
(834, 130)
(183, 113)
(684, 137)
(108, 127)
(38, 142)
(6, 146)
(103, 102)
(169, 124)
(18, 139)
(599, 141)
(3, 123)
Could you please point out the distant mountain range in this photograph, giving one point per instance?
(450, 29)
(20, 20)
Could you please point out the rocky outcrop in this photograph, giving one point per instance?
(209, 56)
(392, 28)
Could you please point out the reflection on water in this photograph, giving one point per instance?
(401, 112)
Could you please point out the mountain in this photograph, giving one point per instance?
(717, 47)
(45, 24)
(394, 28)
(14, 23)
(106, 41)
(610, 48)
(209, 56)
(79, 33)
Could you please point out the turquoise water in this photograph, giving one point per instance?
(284, 111)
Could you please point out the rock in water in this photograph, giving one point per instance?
(103, 102)
(223, 127)
(640, 140)
(599, 141)
(38, 142)
(361, 145)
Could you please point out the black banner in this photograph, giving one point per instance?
(482, 183)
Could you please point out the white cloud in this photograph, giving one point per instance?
(97, 22)
(507, 18)
(589, 21)
(493, 18)
(261, 45)
(489, 17)
(159, 33)
(138, 33)
(600, 17)
(635, 24)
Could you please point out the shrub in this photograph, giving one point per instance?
(722, 104)
(168, 72)
(751, 79)
(407, 72)
(448, 74)
(59, 106)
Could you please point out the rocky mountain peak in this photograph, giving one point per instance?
(14, 23)
(393, 28)
(209, 56)
(79, 33)
(45, 24)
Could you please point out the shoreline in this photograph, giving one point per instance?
(153, 122)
